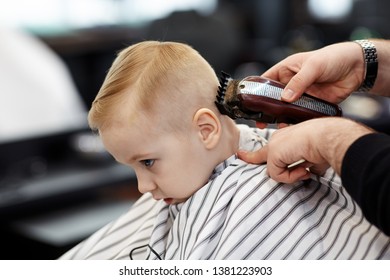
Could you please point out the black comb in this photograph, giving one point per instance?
(223, 82)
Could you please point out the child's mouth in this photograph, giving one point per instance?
(168, 200)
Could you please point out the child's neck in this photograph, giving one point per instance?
(230, 139)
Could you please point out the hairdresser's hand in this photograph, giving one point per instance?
(331, 73)
(320, 142)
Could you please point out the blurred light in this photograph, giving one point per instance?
(361, 32)
(330, 10)
(141, 10)
(362, 107)
(88, 143)
(55, 15)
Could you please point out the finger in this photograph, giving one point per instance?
(282, 125)
(279, 72)
(257, 157)
(298, 84)
(319, 169)
(291, 175)
(261, 125)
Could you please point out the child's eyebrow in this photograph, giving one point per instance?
(136, 157)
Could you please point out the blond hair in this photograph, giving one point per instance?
(151, 72)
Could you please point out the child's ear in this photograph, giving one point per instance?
(208, 127)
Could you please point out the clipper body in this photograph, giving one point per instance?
(257, 98)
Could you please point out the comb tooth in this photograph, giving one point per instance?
(224, 78)
(221, 89)
(224, 74)
(220, 94)
(223, 82)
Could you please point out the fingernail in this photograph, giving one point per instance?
(287, 94)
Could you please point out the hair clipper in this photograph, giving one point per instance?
(257, 98)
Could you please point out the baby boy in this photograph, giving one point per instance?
(155, 112)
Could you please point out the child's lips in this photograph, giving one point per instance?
(168, 200)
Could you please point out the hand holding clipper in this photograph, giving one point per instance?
(257, 98)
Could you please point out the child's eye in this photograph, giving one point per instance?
(147, 162)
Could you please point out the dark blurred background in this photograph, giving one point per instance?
(57, 183)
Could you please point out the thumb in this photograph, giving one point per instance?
(256, 157)
(297, 85)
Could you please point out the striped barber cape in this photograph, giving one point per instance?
(243, 214)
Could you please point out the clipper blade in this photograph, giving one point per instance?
(224, 81)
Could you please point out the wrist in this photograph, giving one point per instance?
(370, 58)
(338, 134)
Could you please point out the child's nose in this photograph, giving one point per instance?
(145, 185)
